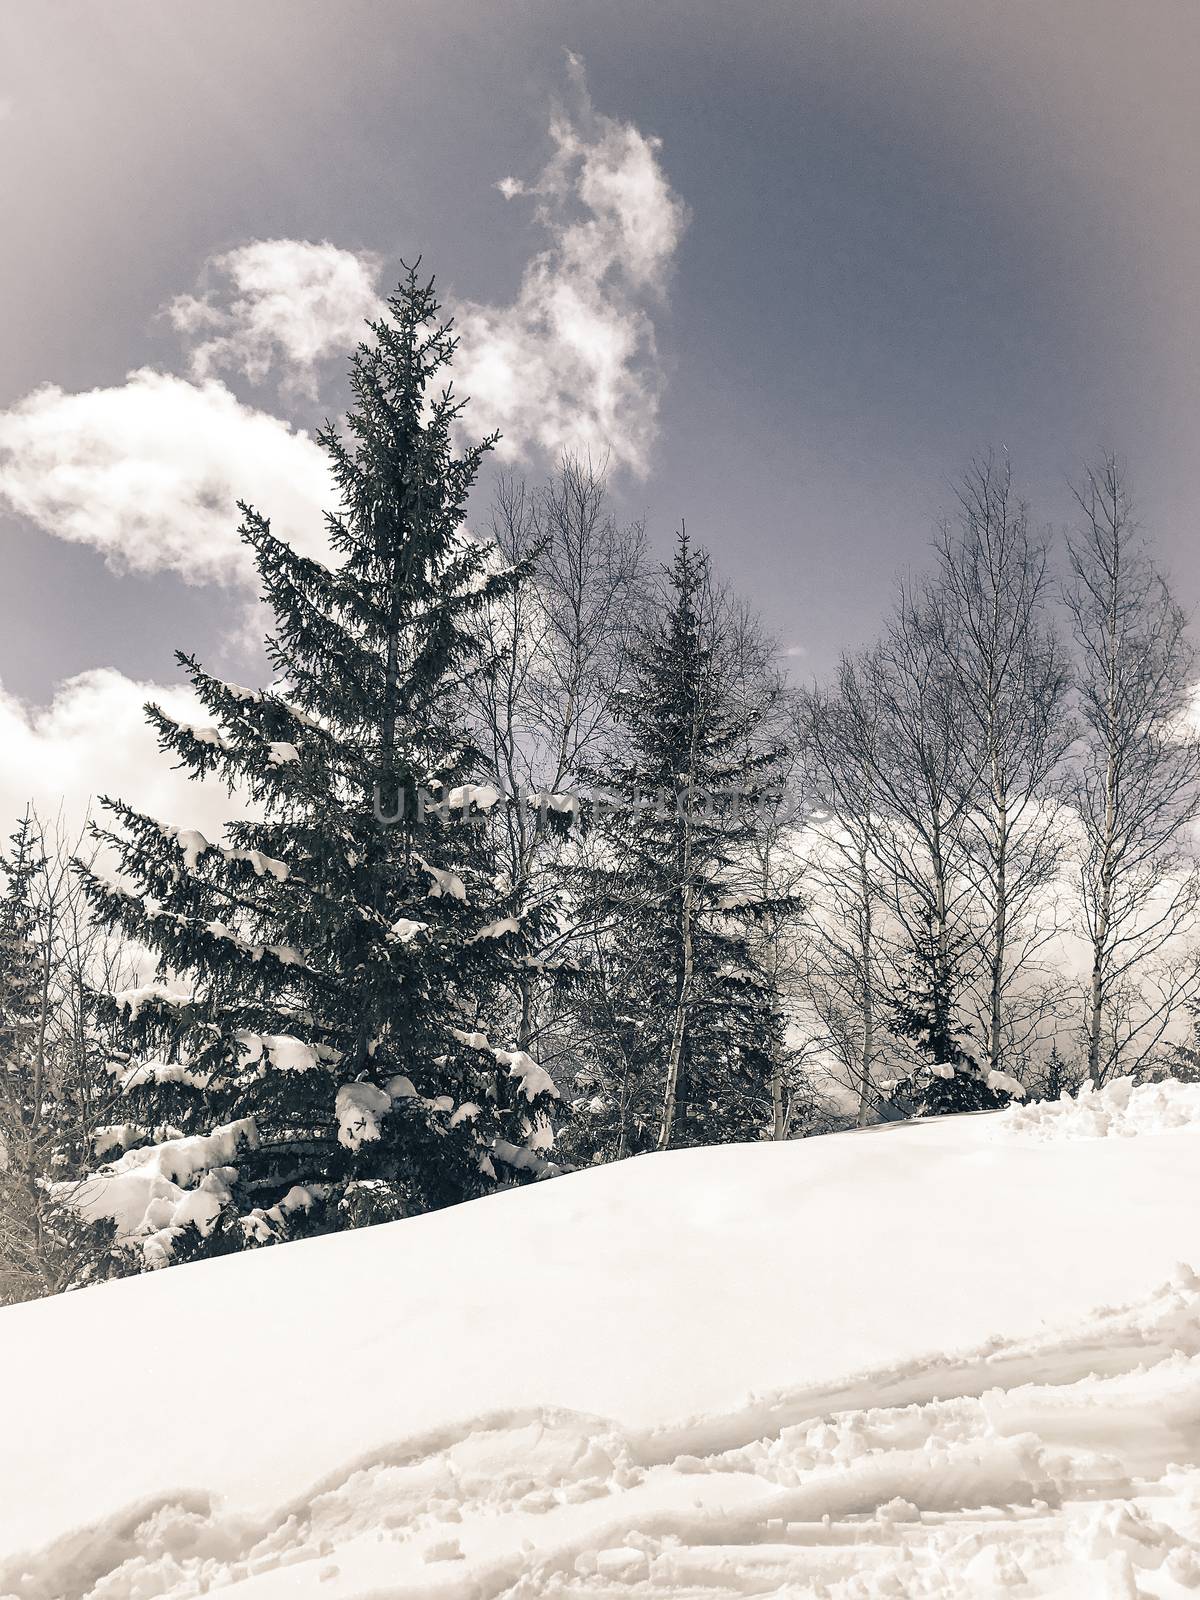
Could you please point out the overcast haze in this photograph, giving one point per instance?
(789, 264)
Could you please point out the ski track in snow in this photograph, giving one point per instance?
(1066, 1466)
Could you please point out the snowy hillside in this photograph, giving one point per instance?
(940, 1359)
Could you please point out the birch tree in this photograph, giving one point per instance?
(557, 648)
(773, 870)
(1011, 679)
(906, 689)
(845, 956)
(56, 1093)
(1135, 781)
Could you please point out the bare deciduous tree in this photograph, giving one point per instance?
(557, 646)
(1136, 782)
(845, 956)
(905, 695)
(1011, 684)
(772, 873)
(56, 1093)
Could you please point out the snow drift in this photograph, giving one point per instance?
(938, 1359)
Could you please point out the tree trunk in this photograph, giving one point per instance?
(940, 1018)
(865, 1086)
(683, 998)
(1097, 994)
(778, 1109)
(999, 938)
(1112, 774)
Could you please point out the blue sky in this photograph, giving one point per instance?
(828, 251)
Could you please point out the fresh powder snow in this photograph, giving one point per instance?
(948, 1358)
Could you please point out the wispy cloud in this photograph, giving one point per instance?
(572, 362)
(283, 304)
(149, 473)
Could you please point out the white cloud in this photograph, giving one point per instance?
(289, 303)
(149, 473)
(93, 739)
(572, 362)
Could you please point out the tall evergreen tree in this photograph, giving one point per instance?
(317, 1030)
(688, 1032)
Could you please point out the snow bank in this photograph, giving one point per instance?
(860, 1366)
(1117, 1110)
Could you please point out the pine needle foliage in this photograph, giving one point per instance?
(687, 1025)
(325, 973)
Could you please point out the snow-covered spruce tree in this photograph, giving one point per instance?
(315, 1042)
(688, 1035)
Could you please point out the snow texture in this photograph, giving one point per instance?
(532, 1078)
(1002, 1083)
(194, 845)
(443, 883)
(212, 736)
(863, 1366)
(155, 1071)
(152, 1193)
(1119, 1109)
(131, 1001)
(497, 929)
(483, 796)
(359, 1107)
(283, 1051)
(264, 1225)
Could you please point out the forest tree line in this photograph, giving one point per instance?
(547, 862)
